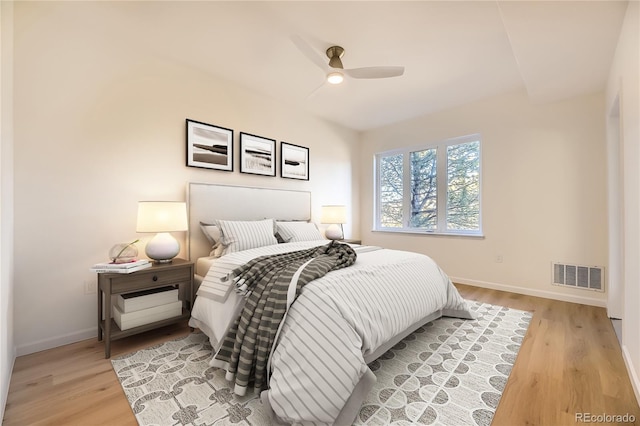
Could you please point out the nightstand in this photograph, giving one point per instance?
(178, 273)
(350, 241)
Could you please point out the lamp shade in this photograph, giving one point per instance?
(162, 216)
(334, 214)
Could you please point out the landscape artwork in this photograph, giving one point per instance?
(295, 161)
(257, 155)
(209, 146)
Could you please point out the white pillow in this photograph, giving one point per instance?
(298, 231)
(245, 235)
(212, 232)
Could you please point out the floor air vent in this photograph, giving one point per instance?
(586, 277)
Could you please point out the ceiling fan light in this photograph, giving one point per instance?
(335, 77)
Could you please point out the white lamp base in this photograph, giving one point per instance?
(334, 232)
(163, 247)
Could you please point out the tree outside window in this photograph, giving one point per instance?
(433, 188)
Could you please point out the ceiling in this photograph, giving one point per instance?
(454, 52)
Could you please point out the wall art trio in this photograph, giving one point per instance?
(211, 147)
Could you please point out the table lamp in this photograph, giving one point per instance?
(334, 215)
(162, 217)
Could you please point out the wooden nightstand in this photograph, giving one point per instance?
(177, 273)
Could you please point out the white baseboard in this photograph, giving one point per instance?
(54, 342)
(583, 300)
(633, 373)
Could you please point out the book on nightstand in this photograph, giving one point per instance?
(124, 265)
(138, 300)
(121, 268)
(145, 316)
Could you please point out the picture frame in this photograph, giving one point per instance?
(257, 155)
(209, 146)
(294, 161)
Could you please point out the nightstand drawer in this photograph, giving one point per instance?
(152, 278)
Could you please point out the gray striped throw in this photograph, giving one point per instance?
(265, 282)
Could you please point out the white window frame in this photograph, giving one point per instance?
(442, 188)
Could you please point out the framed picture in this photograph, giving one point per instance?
(257, 155)
(209, 146)
(294, 161)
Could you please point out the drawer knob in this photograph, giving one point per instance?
(155, 278)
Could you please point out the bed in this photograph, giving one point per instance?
(316, 370)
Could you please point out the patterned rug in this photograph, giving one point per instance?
(448, 372)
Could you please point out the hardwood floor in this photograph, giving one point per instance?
(570, 362)
(75, 384)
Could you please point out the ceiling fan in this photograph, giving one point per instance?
(335, 70)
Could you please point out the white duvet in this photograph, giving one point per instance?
(318, 368)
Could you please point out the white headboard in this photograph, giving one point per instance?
(207, 202)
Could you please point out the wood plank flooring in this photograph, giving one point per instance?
(570, 362)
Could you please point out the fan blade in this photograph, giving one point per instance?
(375, 72)
(309, 52)
(316, 90)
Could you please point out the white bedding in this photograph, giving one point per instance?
(318, 368)
(211, 313)
(203, 264)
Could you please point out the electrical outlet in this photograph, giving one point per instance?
(498, 258)
(90, 287)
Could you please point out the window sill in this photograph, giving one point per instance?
(430, 233)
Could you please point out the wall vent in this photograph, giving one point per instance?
(585, 277)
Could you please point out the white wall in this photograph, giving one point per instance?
(100, 125)
(624, 86)
(7, 345)
(543, 192)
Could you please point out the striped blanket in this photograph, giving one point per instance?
(270, 284)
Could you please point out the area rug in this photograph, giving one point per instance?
(448, 372)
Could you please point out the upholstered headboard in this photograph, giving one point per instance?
(207, 202)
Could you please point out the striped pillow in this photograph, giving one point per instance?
(245, 235)
(298, 231)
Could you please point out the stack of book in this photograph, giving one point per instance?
(121, 268)
(146, 306)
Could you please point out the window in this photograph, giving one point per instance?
(431, 189)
